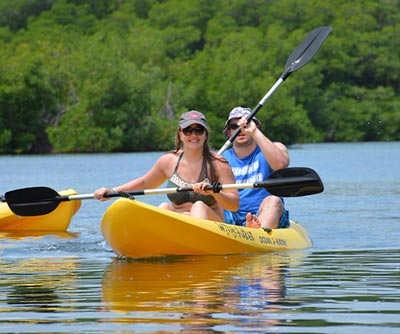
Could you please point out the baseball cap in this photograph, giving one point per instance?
(192, 117)
(239, 112)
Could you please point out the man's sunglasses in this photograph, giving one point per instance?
(233, 126)
(198, 131)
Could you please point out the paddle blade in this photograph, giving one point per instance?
(306, 50)
(34, 201)
(292, 182)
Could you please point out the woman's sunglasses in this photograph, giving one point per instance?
(198, 131)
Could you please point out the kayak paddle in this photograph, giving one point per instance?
(287, 182)
(301, 56)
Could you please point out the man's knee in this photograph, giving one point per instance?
(272, 202)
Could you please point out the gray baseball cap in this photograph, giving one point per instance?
(239, 112)
(192, 117)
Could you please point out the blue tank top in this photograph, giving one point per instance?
(250, 169)
(188, 196)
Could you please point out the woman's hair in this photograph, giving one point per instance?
(207, 154)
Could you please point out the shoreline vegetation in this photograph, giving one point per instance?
(98, 76)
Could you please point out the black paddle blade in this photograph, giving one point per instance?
(293, 182)
(34, 201)
(306, 50)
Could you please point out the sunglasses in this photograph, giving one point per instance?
(198, 131)
(233, 126)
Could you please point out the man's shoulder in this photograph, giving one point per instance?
(228, 153)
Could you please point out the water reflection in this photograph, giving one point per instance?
(321, 292)
(35, 285)
(36, 296)
(21, 235)
(198, 292)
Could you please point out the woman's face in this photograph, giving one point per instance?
(193, 135)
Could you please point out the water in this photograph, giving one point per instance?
(347, 283)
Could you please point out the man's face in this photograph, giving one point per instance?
(242, 139)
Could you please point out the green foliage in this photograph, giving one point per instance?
(114, 75)
(15, 14)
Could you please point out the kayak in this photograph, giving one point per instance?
(57, 220)
(139, 230)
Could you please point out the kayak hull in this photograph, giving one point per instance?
(136, 229)
(57, 220)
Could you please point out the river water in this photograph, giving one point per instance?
(348, 282)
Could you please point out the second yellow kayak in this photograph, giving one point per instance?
(57, 220)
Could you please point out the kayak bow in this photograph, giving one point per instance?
(57, 220)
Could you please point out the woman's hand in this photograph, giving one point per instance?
(99, 193)
(200, 188)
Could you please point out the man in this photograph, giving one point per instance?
(253, 157)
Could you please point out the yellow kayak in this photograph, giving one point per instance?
(138, 230)
(57, 220)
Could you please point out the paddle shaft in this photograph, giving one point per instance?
(272, 184)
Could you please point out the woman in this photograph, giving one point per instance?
(190, 164)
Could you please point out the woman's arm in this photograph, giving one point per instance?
(152, 179)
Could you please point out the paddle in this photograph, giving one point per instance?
(301, 56)
(287, 182)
